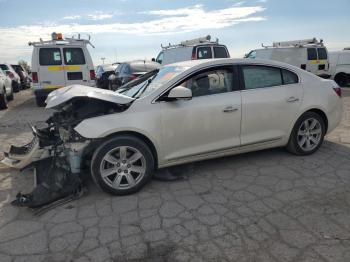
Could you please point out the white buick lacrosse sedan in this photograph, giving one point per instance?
(188, 112)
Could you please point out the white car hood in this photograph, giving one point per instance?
(64, 94)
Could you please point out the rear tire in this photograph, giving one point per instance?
(40, 101)
(3, 99)
(307, 135)
(122, 165)
(11, 96)
(341, 79)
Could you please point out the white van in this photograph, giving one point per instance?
(58, 63)
(308, 54)
(339, 66)
(199, 48)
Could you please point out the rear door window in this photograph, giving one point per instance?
(289, 77)
(311, 54)
(50, 56)
(204, 52)
(261, 76)
(322, 53)
(4, 67)
(126, 70)
(74, 56)
(220, 52)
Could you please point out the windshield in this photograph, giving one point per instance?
(151, 81)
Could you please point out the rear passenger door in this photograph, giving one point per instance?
(270, 102)
(51, 69)
(76, 69)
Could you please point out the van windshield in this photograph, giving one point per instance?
(151, 81)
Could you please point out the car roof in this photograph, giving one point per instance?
(222, 61)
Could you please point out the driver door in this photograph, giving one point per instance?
(209, 122)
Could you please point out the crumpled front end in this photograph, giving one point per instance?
(57, 152)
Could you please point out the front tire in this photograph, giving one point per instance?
(307, 135)
(122, 165)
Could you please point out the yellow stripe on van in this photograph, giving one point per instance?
(52, 86)
(316, 62)
(60, 68)
(72, 67)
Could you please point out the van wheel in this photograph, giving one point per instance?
(3, 99)
(122, 165)
(307, 135)
(341, 80)
(40, 101)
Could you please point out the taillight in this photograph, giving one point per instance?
(35, 77)
(193, 57)
(337, 90)
(303, 66)
(132, 77)
(92, 75)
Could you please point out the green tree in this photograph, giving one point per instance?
(24, 64)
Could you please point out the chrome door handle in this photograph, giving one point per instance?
(292, 99)
(230, 109)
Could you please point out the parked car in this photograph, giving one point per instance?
(102, 74)
(125, 72)
(339, 66)
(180, 113)
(60, 62)
(309, 54)
(24, 77)
(6, 91)
(11, 72)
(199, 48)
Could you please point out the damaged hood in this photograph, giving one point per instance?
(65, 94)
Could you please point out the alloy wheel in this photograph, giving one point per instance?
(309, 134)
(123, 167)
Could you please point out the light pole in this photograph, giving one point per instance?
(103, 60)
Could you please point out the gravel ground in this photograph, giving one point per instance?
(262, 206)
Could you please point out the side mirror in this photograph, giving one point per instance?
(153, 59)
(180, 92)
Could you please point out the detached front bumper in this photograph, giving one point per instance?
(20, 157)
(56, 167)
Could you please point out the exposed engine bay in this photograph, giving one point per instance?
(57, 151)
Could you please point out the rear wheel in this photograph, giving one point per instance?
(3, 99)
(122, 165)
(40, 101)
(307, 135)
(11, 96)
(341, 79)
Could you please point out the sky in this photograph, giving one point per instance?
(123, 30)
